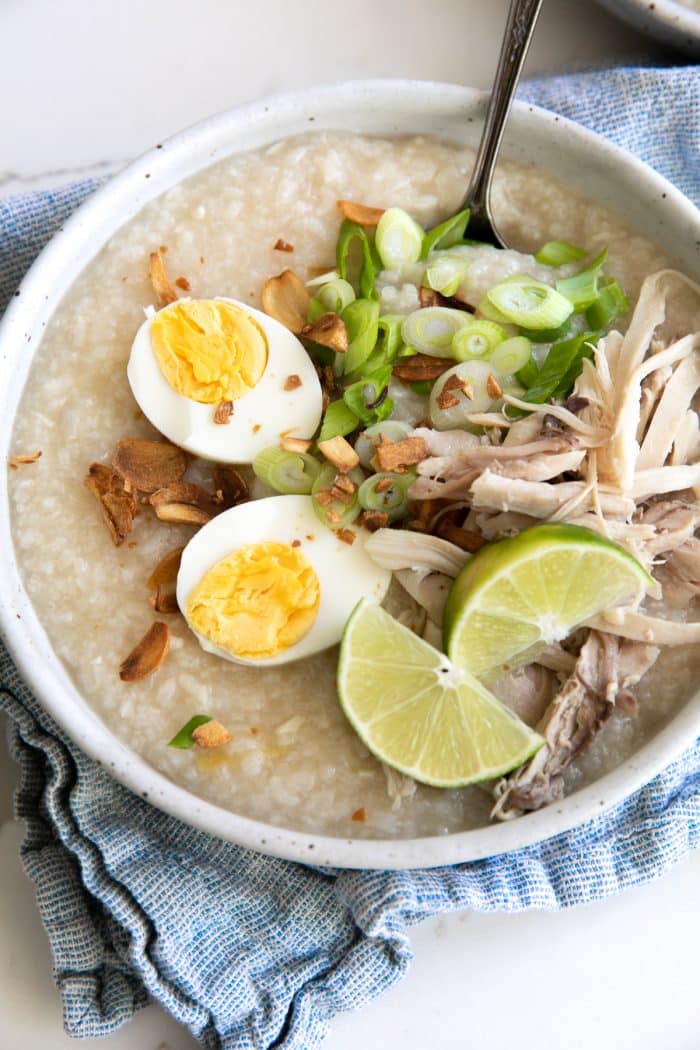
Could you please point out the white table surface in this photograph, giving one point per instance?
(85, 85)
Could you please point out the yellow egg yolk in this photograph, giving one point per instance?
(209, 351)
(257, 601)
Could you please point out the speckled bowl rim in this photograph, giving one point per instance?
(382, 106)
(664, 20)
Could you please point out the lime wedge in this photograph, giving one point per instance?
(518, 595)
(419, 713)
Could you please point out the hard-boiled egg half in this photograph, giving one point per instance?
(266, 583)
(223, 380)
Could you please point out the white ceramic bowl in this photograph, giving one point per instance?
(388, 107)
(666, 21)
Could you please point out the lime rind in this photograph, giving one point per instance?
(418, 713)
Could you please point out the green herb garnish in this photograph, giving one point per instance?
(184, 739)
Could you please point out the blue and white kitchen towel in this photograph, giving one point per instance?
(252, 952)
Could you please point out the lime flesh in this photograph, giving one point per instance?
(417, 712)
(518, 595)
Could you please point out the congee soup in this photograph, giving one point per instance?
(348, 523)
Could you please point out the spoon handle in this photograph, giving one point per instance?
(520, 26)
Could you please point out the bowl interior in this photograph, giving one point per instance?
(589, 164)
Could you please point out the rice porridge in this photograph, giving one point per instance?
(293, 760)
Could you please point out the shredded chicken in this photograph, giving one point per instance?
(606, 668)
(621, 457)
(403, 549)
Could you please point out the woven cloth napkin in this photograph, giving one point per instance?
(248, 951)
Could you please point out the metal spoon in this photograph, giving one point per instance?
(518, 33)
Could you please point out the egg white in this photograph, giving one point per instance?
(259, 418)
(346, 573)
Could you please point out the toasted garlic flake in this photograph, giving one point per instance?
(166, 570)
(149, 465)
(374, 519)
(493, 387)
(211, 734)
(184, 504)
(165, 293)
(446, 399)
(148, 655)
(224, 411)
(164, 601)
(394, 456)
(328, 330)
(231, 486)
(421, 367)
(117, 504)
(362, 214)
(17, 461)
(292, 444)
(286, 298)
(340, 453)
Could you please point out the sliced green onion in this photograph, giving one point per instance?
(392, 500)
(367, 442)
(335, 295)
(446, 234)
(559, 253)
(582, 289)
(524, 301)
(367, 398)
(511, 355)
(432, 329)
(548, 335)
(335, 513)
(475, 374)
(399, 239)
(390, 341)
(422, 387)
(184, 739)
(487, 311)
(291, 473)
(387, 347)
(350, 232)
(338, 421)
(476, 339)
(323, 278)
(315, 310)
(527, 376)
(361, 319)
(560, 368)
(445, 272)
(611, 302)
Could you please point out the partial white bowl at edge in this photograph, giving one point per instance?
(589, 163)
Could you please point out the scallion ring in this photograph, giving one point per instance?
(367, 442)
(445, 272)
(399, 239)
(432, 329)
(533, 304)
(290, 473)
(386, 492)
(476, 339)
(336, 506)
(335, 295)
(511, 355)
